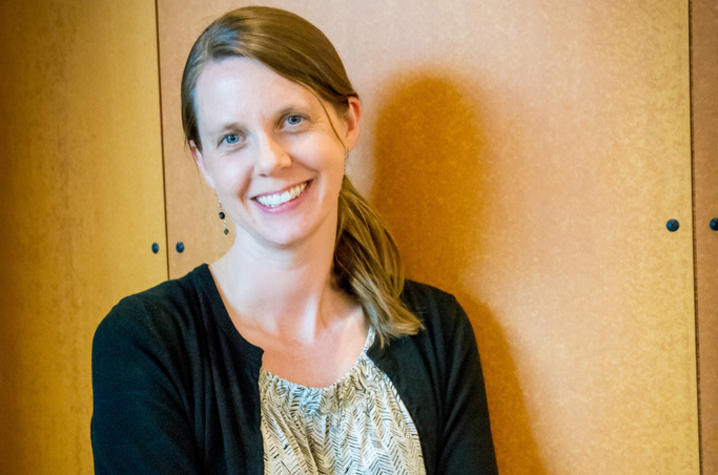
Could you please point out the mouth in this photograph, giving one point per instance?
(277, 199)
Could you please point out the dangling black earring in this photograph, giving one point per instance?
(223, 217)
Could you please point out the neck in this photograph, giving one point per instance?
(285, 292)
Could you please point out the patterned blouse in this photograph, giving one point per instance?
(358, 425)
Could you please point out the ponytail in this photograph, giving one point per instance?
(368, 266)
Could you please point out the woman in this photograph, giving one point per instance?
(302, 350)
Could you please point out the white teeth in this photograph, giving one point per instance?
(280, 198)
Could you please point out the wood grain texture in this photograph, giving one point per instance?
(527, 156)
(81, 187)
(704, 19)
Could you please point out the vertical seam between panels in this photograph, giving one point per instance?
(162, 141)
(695, 230)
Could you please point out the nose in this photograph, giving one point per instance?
(271, 155)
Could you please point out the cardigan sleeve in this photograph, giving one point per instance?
(139, 422)
(467, 445)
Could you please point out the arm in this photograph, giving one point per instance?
(467, 444)
(139, 423)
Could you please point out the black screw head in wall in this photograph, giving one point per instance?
(714, 224)
(672, 225)
(180, 247)
(155, 247)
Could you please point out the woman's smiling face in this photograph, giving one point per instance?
(272, 150)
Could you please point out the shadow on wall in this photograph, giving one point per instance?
(430, 186)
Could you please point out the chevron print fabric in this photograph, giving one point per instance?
(358, 425)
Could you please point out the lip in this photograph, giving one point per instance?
(285, 206)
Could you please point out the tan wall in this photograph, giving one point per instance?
(704, 17)
(81, 192)
(526, 157)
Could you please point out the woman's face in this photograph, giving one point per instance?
(270, 153)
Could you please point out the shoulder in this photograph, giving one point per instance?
(438, 310)
(424, 295)
(447, 334)
(161, 313)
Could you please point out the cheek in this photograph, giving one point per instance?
(327, 157)
(231, 179)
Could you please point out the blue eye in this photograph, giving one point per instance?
(231, 139)
(294, 119)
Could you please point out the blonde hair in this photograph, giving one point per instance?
(366, 264)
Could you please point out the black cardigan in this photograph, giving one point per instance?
(176, 386)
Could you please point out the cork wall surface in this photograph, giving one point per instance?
(81, 187)
(704, 18)
(527, 156)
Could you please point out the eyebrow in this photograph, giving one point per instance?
(296, 108)
(286, 110)
(228, 127)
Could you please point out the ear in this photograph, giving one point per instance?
(352, 118)
(200, 162)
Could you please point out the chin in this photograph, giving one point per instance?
(288, 238)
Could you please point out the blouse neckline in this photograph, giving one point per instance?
(351, 372)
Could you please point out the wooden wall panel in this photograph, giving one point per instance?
(81, 187)
(704, 21)
(527, 156)
(192, 217)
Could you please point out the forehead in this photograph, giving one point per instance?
(245, 87)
